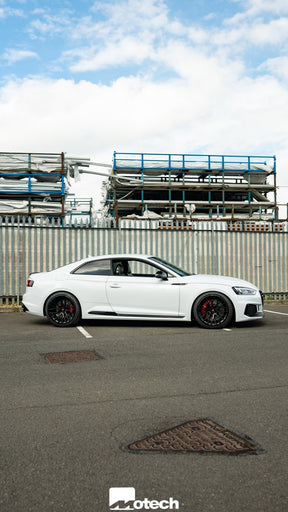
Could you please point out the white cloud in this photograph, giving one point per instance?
(277, 66)
(134, 13)
(128, 33)
(129, 49)
(198, 65)
(106, 19)
(134, 32)
(273, 32)
(8, 11)
(50, 25)
(197, 35)
(277, 7)
(114, 34)
(258, 9)
(12, 55)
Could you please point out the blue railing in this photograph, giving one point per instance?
(197, 162)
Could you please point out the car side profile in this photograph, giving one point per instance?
(138, 287)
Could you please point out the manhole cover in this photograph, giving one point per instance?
(204, 436)
(76, 356)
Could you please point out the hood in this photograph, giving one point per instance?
(211, 279)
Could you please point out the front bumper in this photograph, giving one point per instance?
(249, 308)
(255, 310)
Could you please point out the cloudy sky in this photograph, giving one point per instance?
(197, 76)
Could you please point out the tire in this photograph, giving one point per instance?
(63, 309)
(213, 310)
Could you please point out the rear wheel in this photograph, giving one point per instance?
(63, 310)
(213, 310)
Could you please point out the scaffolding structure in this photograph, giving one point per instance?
(181, 186)
(37, 184)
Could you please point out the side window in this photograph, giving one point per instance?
(142, 269)
(95, 268)
(121, 268)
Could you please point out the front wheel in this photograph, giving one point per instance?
(63, 310)
(213, 310)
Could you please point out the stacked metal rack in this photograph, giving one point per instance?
(80, 207)
(37, 184)
(191, 186)
(32, 183)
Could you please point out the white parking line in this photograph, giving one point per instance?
(275, 312)
(84, 332)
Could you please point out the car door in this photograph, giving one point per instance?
(88, 284)
(135, 291)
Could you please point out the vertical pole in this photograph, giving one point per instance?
(275, 197)
(29, 183)
(183, 199)
(2, 258)
(62, 187)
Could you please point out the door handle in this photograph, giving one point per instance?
(115, 285)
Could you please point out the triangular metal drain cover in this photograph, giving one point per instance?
(201, 436)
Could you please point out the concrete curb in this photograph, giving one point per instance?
(10, 309)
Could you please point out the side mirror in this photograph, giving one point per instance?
(161, 274)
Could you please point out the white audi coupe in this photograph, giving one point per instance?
(138, 287)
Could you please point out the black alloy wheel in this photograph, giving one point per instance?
(213, 311)
(63, 310)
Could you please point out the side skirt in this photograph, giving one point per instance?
(109, 313)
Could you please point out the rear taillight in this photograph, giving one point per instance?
(30, 283)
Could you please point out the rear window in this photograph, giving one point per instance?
(95, 268)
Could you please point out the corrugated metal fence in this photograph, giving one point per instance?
(260, 257)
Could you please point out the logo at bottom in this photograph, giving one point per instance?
(124, 498)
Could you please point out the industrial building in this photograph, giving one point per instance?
(191, 186)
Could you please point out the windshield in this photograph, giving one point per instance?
(170, 266)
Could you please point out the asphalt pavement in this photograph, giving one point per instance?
(65, 428)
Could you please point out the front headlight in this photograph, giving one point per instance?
(243, 290)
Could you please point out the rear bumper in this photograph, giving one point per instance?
(29, 306)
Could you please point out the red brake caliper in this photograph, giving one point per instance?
(71, 307)
(204, 308)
